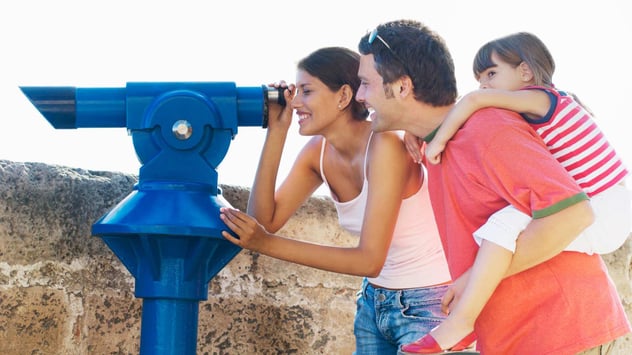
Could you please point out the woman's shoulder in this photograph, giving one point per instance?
(314, 142)
(388, 145)
(395, 138)
(313, 145)
(310, 153)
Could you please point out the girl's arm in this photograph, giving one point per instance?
(530, 102)
(390, 171)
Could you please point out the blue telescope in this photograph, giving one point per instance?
(167, 231)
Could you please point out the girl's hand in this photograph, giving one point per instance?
(433, 151)
(280, 117)
(454, 292)
(413, 145)
(251, 234)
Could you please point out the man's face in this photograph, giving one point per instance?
(372, 93)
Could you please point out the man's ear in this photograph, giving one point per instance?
(406, 86)
(526, 74)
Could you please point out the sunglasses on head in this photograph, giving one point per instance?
(373, 35)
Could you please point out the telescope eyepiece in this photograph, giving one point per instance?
(271, 95)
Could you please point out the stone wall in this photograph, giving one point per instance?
(62, 291)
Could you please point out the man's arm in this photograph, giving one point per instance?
(546, 237)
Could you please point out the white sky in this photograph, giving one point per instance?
(109, 43)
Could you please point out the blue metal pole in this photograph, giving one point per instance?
(169, 327)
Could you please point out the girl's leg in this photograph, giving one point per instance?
(488, 270)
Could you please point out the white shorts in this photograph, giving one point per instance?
(612, 226)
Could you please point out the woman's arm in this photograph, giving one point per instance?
(393, 175)
(273, 208)
(389, 173)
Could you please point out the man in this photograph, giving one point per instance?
(550, 302)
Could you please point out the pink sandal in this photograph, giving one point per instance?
(428, 345)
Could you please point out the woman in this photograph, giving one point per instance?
(378, 190)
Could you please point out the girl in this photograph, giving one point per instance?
(515, 73)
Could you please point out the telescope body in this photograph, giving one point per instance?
(167, 231)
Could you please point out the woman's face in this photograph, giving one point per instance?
(315, 104)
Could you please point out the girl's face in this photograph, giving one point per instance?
(501, 75)
(315, 104)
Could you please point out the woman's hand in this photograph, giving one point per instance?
(280, 117)
(250, 234)
(413, 146)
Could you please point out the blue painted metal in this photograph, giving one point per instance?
(167, 230)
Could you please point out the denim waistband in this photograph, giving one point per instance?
(397, 298)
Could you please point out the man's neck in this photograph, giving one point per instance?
(425, 120)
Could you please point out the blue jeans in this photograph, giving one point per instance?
(386, 319)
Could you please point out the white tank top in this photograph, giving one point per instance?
(415, 258)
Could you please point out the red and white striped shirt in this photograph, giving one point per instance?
(575, 140)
